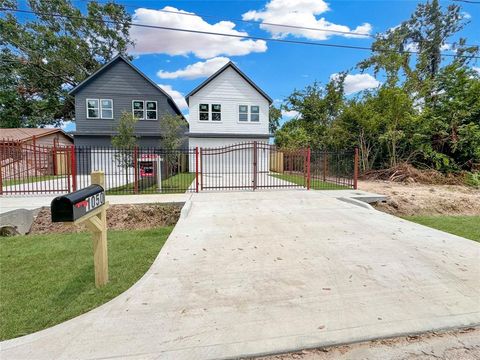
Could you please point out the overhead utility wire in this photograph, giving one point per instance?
(252, 21)
(203, 15)
(231, 35)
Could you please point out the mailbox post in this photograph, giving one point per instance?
(88, 206)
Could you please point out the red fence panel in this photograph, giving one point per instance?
(33, 169)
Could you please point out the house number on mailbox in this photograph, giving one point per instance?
(95, 201)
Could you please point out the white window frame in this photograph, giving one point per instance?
(208, 112)
(247, 113)
(146, 109)
(215, 112)
(143, 110)
(101, 109)
(251, 113)
(97, 108)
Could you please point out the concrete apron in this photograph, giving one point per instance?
(248, 273)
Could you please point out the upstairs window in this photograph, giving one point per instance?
(138, 109)
(93, 109)
(106, 108)
(255, 113)
(203, 112)
(151, 110)
(216, 112)
(243, 113)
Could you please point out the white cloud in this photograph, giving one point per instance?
(149, 41)
(290, 114)
(466, 15)
(194, 71)
(64, 125)
(301, 13)
(411, 47)
(477, 69)
(176, 96)
(445, 47)
(358, 82)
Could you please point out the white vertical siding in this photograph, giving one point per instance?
(230, 90)
(237, 161)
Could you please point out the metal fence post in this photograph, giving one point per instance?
(2, 146)
(355, 169)
(308, 167)
(196, 169)
(73, 168)
(325, 155)
(254, 165)
(201, 168)
(135, 169)
(34, 143)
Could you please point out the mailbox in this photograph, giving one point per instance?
(75, 205)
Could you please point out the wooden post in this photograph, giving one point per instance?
(98, 226)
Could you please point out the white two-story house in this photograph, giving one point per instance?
(228, 108)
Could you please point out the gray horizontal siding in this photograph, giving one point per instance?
(106, 141)
(122, 84)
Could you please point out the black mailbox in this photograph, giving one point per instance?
(73, 206)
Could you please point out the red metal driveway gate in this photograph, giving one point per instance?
(252, 165)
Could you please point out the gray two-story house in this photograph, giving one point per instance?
(116, 87)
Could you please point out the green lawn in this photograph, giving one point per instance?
(30, 179)
(315, 184)
(178, 183)
(465, 226)
(47, 279)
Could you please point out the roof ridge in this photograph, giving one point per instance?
(230, 63)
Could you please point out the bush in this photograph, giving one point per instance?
(473, 179)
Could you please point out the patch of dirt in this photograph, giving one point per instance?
(407, 173)
(461, 344)
(421, 199)
(119, 217)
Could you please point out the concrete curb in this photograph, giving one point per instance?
(357, 202)
(186, 208)
(355, 340)
(20, 219)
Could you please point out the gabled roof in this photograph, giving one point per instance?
(108, 65)
(25, 134)
(222, 69)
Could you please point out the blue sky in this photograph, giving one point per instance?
(276, 67)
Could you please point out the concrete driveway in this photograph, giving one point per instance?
(252, 273)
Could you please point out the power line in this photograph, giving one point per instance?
(468, 1)
(254, 22)
(203, 15)
(287, 41)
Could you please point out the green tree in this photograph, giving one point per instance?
(317, 107)
(173, 129)
(292, 135)
(125, 141)
(43, 58)
(274, 116)
(451, 129)
(427, 32)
